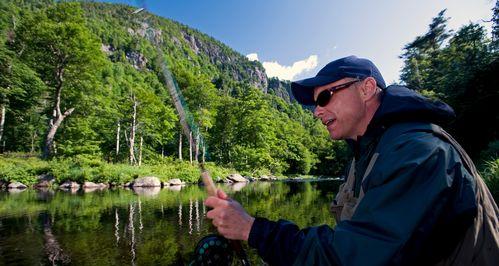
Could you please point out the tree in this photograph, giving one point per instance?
(56, 43)
(418, 55)
(20, 90)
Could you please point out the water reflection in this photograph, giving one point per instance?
(147, 191)
(129, 227)
(117, 226)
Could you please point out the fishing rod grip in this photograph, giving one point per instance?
(208, 183)
(211, 189)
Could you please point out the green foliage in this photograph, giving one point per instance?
(112, 60)
(490, 174)
(461, 69)
(21, 168)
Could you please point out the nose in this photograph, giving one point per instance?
(318, 111)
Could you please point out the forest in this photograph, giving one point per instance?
(84, 97)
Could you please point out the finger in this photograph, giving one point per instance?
(221, 194)
(211, 214)
(215, 202)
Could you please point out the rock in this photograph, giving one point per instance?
(16, 190)
(17, 185)
(90, 185)
(70, 185)
(127, 184)
(43, 184)
(250, 179)
(237, 178)
(264, 178)
(175, 182)
(147, 181)
(44, 180)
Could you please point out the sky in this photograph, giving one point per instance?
(294, 39)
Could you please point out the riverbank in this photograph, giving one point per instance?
(25, 170)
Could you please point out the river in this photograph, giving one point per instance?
(146, 227)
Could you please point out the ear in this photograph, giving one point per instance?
(368, 89)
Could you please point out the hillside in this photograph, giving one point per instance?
(92, 80)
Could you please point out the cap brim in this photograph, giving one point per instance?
(303, 90)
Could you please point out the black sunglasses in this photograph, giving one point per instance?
(325, 95)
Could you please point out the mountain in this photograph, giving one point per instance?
(94, 85)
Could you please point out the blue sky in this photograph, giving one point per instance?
(294, 39)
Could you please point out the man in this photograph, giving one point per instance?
(412, 196)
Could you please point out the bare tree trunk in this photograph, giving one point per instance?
(190, 147)
(197, 147)
(118, 140)
(2, 120)
(140, 150)
(57, 115)
(180, 146)
(33, 138)
(132, 131)
(204, 152)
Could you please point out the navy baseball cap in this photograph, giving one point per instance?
(347, 67)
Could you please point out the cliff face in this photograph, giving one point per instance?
(138, 34)
(236, 65)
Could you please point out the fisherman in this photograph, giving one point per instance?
(412, 195)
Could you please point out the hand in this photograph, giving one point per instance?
(229, 217)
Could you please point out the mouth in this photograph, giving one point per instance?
(328, 122)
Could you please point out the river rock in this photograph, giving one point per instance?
(17, 185)
(94, 185)
(264, 178)
(44, 180)
(174, 182)
(70, 185)
(237, 178)
(147, 181)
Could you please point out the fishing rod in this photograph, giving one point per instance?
(187, 124)
(212, 191)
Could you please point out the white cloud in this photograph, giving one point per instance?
(252, 57)
(275, 69)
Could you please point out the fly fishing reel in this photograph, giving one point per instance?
(213, 249)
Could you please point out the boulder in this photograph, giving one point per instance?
(264, 178)
(70, 185)
(17, 185)
(237, 178)
(44, 180)
(87, 184)
(174, 182)
(43, 184)
(147, 181)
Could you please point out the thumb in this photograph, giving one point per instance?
(221, 194)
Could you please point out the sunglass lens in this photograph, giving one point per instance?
(323, 98)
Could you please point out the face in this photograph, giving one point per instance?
(344, 114)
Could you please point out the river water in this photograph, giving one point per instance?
(146, 227)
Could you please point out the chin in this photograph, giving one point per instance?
(335, 135)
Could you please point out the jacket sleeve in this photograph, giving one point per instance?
(410, 179)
